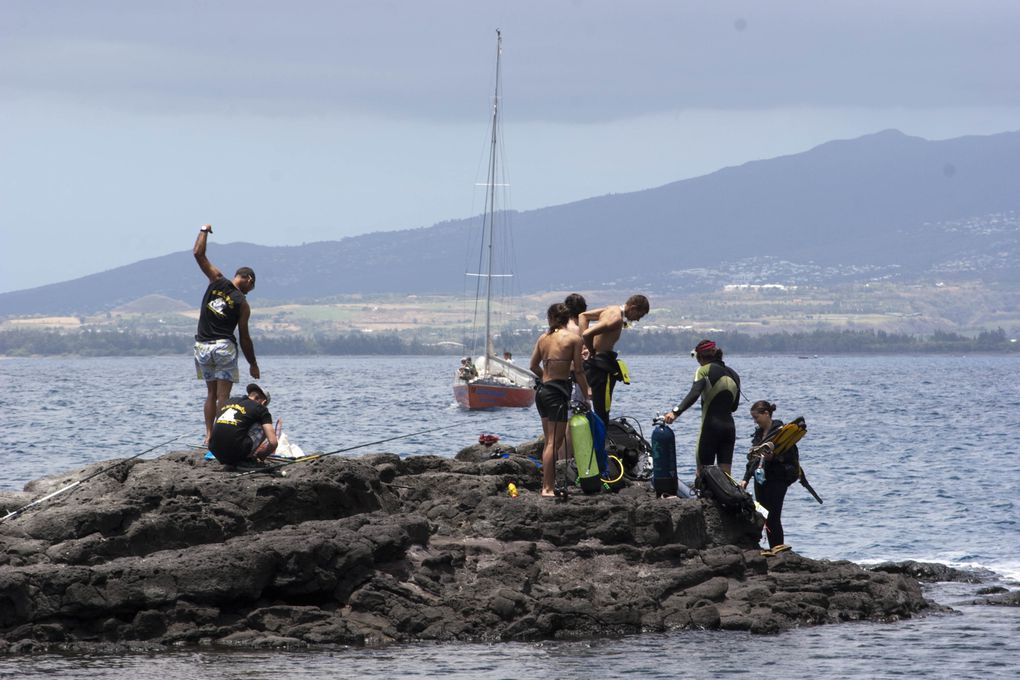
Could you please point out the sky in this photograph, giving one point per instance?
(125, 125)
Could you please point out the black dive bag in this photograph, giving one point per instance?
(714, 483)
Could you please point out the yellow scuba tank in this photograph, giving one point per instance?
(584, 453)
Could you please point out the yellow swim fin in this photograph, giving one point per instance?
(788, 435)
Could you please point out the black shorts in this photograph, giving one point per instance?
(553, 400)
(602, 372)
(715, 444)
(241, 450)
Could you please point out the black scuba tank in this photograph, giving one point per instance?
(664, 478)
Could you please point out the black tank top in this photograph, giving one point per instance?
(221, 310)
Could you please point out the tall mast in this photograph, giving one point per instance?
(491, 208)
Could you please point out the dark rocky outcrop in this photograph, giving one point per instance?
(381, 548)
(931, 572)
(1001, 597)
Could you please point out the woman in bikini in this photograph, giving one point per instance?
(557, 354)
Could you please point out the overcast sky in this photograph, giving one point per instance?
(126, 125)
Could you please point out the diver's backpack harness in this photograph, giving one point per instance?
(628, 444)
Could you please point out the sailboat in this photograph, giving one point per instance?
(490, 381)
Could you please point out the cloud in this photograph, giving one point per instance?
(125, 123)
(584, 61)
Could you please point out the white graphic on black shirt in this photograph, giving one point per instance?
(228, 417)
(218, 306)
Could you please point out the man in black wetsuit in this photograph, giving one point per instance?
(224, 308)
(244, 429)
(600, 329)
(718, 385)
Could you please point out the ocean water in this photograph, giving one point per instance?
(914, 456)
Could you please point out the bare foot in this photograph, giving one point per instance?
(548, 493)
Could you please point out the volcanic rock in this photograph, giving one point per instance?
(377, 549)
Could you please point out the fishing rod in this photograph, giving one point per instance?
(15, 513)
(316, 456)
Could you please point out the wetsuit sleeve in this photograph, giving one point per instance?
(696, 389)
(736, 397)
(749, 469)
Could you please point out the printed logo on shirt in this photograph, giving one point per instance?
(218, 305)
(229, 415)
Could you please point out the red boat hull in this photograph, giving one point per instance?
(480, 395)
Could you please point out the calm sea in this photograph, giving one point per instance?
(914, 456)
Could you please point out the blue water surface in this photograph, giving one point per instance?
(914, 456)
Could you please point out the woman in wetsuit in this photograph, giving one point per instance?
(779, 472)
(718, 385)
(557, 354)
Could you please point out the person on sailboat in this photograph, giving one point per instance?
(600, 329)
(467, 370)
(557, 353)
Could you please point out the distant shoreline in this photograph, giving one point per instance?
(520, 341)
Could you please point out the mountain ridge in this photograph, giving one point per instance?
(881, 205)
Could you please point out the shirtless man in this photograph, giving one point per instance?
(557, 354)
(576, 304)
(600, 329)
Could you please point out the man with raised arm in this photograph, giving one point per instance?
(600, 329)
(224, 309)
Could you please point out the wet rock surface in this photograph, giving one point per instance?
(931, 572)
(995, 594)
(377, 549)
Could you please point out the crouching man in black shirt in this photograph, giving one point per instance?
(243, 430)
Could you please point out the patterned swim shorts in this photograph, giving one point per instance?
(216, 360)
